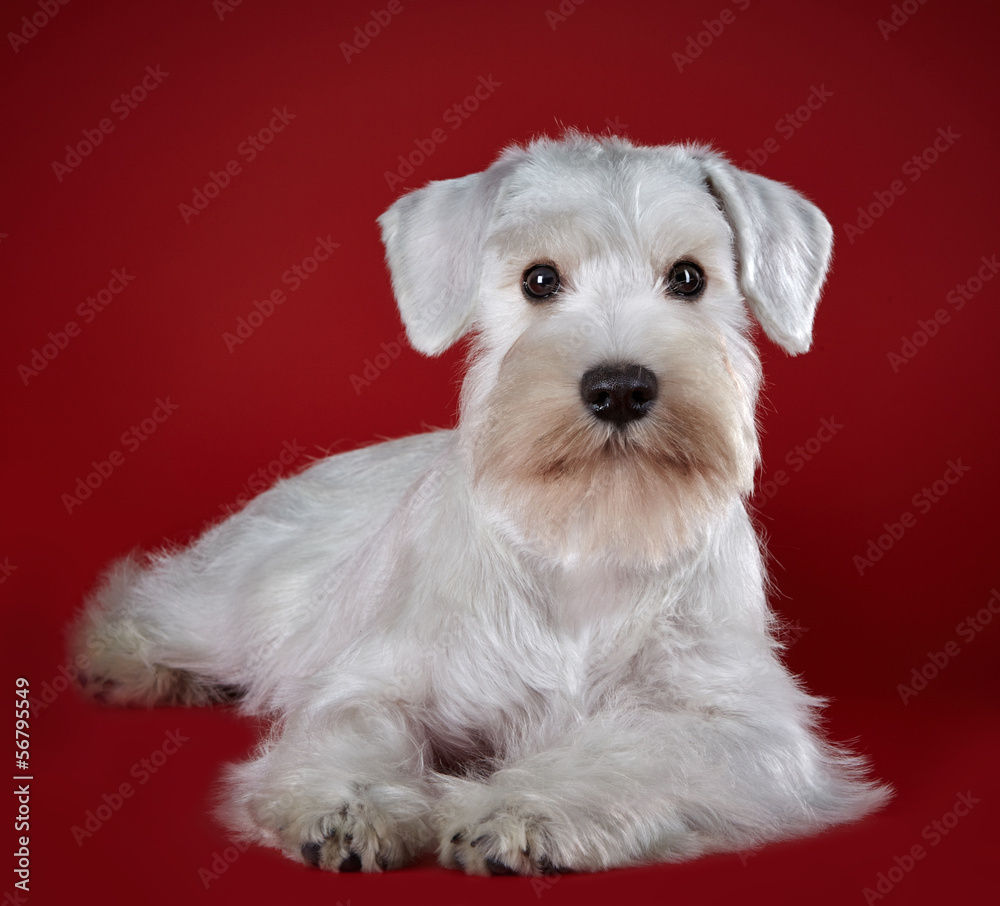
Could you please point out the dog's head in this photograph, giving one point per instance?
(609, 406)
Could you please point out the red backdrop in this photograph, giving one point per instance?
(167, 167)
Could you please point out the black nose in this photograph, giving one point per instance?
(619, 393)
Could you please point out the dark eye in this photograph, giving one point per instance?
(540, 282)
(685, 279)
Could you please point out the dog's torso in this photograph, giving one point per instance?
(526, 643)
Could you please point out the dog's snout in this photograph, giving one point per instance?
(619, 393)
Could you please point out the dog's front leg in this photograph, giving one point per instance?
(631, 787)
(340, 789)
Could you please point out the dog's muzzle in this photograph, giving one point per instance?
(619, 393)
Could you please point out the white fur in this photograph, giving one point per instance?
(537, 642)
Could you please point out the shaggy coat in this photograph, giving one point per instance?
(539, 641)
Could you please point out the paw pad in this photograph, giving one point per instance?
(310, 852)
(351, 863)
(496, 867)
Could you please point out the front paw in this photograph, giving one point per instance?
(349, 841)
(358, 835)
(505, 842)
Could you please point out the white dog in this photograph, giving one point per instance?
(540, 639)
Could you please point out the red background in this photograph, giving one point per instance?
(604, 66)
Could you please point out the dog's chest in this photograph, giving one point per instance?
(531, 662)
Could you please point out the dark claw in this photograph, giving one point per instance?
(497, 867)
(310, 852)
(351, 863)
(546, 867)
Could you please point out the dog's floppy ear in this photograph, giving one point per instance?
(783, 247)
(434, 247)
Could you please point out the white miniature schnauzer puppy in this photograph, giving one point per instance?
(540, 640)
